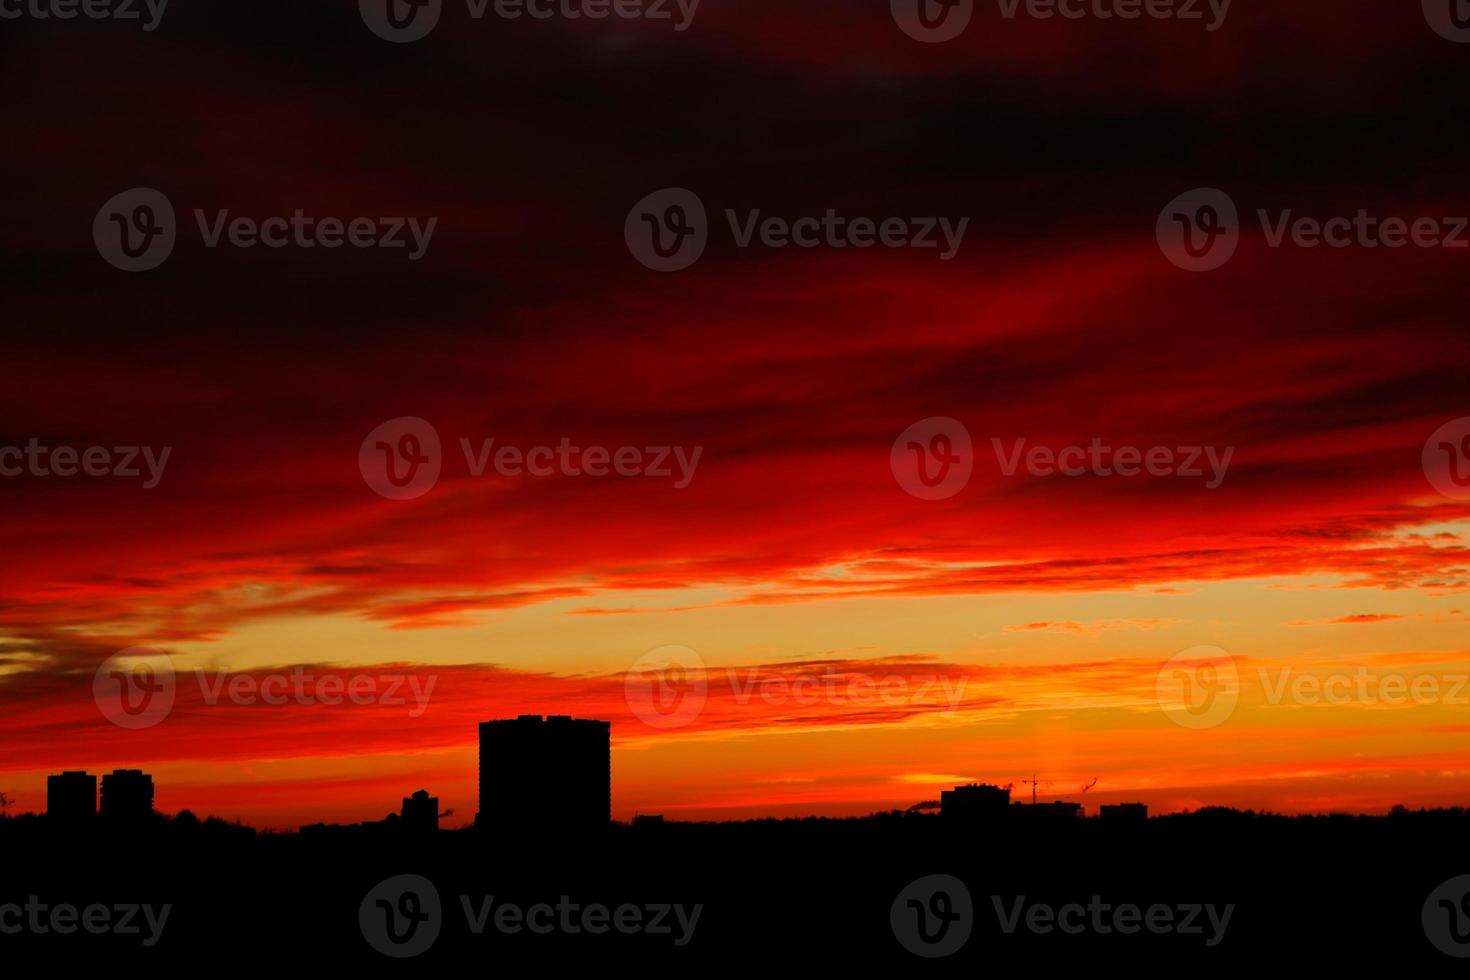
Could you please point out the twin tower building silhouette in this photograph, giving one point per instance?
(536, 774)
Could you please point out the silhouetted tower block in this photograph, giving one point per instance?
(71, 797)
(978, 801)
(420, 814)
(545, 774)
(1124, 813)
(127, 794)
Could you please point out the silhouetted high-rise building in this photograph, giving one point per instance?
(71, 797)
(551, 773)
(420, 813)
(976, 801)
(127, 794)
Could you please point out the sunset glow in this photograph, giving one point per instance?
(858, 648)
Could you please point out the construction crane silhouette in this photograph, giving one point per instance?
(1036, 781)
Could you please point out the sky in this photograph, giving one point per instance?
(779, 626)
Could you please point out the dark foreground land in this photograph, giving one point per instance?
(1190, 893)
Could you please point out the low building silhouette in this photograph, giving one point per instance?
(1056, 811)
(977, 801)
(127, 795)
(420, 813)
(1124, 813)
(71, 797)
(545, 774)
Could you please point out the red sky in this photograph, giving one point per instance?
(1048, 604)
